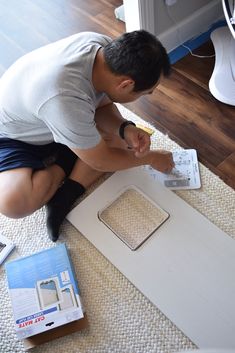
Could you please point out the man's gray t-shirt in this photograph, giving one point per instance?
(48, 95)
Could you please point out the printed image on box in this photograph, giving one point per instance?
(44, 291)
(69, 298)
(48, 292)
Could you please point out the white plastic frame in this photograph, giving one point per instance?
(119, 235)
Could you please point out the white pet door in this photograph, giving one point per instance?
(133, 217)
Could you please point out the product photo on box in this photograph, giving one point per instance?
(43, 291)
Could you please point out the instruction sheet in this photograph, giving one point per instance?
(185, 174)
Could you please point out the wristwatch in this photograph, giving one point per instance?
(123, 126)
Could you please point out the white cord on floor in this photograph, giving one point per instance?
(196, 55)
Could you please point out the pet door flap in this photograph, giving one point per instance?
(133, 217)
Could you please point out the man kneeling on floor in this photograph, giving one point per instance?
(59, 128)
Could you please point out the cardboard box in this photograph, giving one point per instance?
(57, 332)
(44, 292)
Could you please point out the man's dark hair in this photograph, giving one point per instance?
(139, 55)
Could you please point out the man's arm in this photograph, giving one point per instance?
(109, 159)
(108, 118)
(108, 121)
(106, 159)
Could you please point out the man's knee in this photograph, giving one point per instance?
(14, 204)
(15, 186)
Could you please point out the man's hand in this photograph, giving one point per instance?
(162, 161)
(137, 140)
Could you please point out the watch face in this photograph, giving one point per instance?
(133, 217)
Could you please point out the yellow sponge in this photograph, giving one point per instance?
(145, 128)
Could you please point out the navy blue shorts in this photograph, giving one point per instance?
(17, 154)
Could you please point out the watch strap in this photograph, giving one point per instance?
(123, 126)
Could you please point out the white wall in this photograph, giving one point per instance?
(172, 24)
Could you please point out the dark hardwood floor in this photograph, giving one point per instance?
(182, 106)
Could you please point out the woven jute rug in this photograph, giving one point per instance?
(121, 319)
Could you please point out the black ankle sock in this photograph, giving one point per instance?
(66, 159)
(60, 205)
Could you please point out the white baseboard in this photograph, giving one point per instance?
(192, 26)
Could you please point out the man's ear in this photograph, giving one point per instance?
(127, 83)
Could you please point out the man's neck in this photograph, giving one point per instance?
(100, 73)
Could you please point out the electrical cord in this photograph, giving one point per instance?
(197, 55)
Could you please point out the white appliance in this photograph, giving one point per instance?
(222, 81)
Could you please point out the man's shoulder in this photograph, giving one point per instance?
(90, 38)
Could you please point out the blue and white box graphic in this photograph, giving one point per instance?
(44, 291)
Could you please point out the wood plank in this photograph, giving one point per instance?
(105, 22)
(227, 167)
(198, 70)
(17, 31)
(9, 50)
(46, 23)
(110, 23)
(91, 8)
(2, 70)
